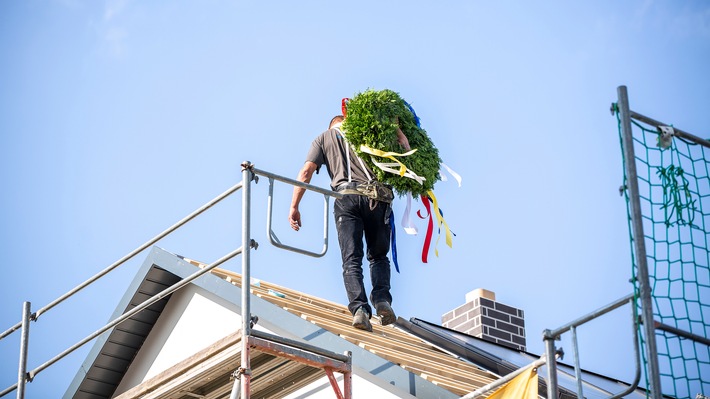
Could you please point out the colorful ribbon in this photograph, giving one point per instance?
(429, 229)
(344, 106)
(389, 155)
(439, 214)
(389, 167)
(394, 242)
(440, 220)
(416, 118)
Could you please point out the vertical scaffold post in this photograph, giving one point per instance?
(246, 279)
(551, 363)
(627, 141)
(348, 377)
(577, 367)
(24, 342)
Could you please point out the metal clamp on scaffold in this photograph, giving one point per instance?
(237, 374)
(248, 165)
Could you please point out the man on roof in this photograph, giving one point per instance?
(363, 211)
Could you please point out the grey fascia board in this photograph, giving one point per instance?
(120, 308)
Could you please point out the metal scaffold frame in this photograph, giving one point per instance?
(627, 142)
(270, 343)
(550, 336)
(297, 351)
(645, 297)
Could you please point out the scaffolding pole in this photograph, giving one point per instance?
(639, 243)
(24, 342)
(245, 367)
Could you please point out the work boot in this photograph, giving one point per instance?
(385, 312)
(361, 319)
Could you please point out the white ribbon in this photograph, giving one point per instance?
(390, 167)
(407, 224)
(455, 175)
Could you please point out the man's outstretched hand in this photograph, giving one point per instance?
(294, 217)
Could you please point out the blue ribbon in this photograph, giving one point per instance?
(441, 212)
(416, 118)
(394, 242)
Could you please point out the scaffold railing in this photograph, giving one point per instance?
(296, 351)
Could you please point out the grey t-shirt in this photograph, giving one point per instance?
(330, 148)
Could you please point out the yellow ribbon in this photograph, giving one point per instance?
(389, 155)
(440, 220)
(387, 167)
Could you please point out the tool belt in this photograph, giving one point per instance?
(374, 190)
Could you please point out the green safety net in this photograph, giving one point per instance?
(674, 196)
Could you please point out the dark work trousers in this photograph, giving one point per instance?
(353, 219)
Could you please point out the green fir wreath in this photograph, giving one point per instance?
(371, 120)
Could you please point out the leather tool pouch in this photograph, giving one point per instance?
(376, 191)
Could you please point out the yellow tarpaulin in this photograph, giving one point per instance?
(523, 386)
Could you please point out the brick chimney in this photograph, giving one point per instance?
(482, 317)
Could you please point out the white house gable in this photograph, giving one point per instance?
(193, 319)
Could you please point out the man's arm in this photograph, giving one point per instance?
(304, 175)
(401, 138)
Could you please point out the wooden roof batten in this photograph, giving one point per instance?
(399, 347)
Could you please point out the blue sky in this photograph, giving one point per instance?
(118, 118)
